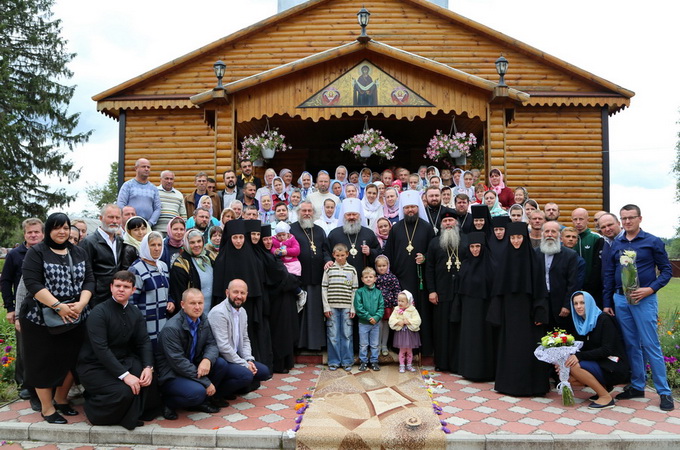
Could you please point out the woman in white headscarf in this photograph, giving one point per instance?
(267, 187)
(152, 285)
(372, 208)
(327, 220)
(306, 182)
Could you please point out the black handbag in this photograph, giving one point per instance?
(52, 319)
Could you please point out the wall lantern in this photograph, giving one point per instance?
(363, 16)
(220, 68)
(502, 69)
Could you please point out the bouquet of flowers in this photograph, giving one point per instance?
(554, 348)
(445, 147)
(253, 146)
(369, 142)
(629, 274)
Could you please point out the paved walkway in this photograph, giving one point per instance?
(477, 417)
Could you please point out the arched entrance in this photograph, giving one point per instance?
(316, 145)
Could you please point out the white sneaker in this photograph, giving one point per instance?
(302, 300)
(402, 369)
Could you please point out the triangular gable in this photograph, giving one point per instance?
(365, 84)
(432, 9)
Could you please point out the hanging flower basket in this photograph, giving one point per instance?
(446, 147)
(369, 142)
(263, 145)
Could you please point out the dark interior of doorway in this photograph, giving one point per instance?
(316, 145)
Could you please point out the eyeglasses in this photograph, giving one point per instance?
(624, 219)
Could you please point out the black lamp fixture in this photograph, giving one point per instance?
(220, 68)
(363, 16)
(502, 69)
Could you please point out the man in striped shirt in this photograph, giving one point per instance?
(172, 202)
(338, 286)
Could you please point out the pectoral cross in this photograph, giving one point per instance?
(457, 264)
(448, 265)
(313, 247)
(409, 248)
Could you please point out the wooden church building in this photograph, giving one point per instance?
(547, 130)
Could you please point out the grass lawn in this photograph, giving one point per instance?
(669, 298)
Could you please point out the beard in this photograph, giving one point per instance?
(111, 229)
(550, 246)
(351, 227)
(306, 223)
(411, 220)
(231, 185)
(449, 238)
(231, 302)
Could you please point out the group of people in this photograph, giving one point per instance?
(437, 264)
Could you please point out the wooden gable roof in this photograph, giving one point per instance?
(425, 31)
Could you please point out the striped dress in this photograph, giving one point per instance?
(151, 294)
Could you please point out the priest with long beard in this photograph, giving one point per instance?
(315, 257)
(442, 268)
(406, 249)
(361, 241)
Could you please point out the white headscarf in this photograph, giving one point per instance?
(408, 198)
(145, 251)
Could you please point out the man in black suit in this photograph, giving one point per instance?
(247, 175)
(561, 265)
(104, 248)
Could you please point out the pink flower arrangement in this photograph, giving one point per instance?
(252, 145)
(373, 139)
(445, 147)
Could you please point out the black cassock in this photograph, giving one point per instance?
(478, 339)
(312, 260)
(117, 342)
(403, 266)
(444, 280)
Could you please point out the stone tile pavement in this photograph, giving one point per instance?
(477, 416)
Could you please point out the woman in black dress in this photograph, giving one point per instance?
(57, 275)
(520, 307)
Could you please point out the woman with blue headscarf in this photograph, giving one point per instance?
(602, 362)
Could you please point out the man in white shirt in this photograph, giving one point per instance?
(323, 182)
(229, 324)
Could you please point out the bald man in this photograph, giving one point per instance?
(141, 194)
(589, 247)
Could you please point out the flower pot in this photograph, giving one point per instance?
(268, 153)
(455, 153)
(365, 151)
(258, 162)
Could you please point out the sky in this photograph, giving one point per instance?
(630, 43)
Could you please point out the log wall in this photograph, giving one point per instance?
(556, 153)
(177, 140)
(400, 24)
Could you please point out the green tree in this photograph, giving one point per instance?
(100, 195)
(36, 129)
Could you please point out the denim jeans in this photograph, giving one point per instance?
(339, 338)
(369, 335)
(639, 330)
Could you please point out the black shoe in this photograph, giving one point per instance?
(24, 394)
(375, 367)
(283, 371)
(363, 367)
(206, 408)
(666, 403)
(169, 413)
(598, 406)
(219, 402)
(230, 397)
(35, 403)
(54, 418)
(66, 409)
(630, 392)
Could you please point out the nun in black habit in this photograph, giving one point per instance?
(279, 290)
(498, 241)
(478, 339)
(519, 306)
(237, 259)
(481, 220)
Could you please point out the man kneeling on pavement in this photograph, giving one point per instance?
(192, 374)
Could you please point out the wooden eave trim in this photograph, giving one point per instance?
(526, 48)
(109, 106)
(352, 47)
(244, 32)
(615, 103)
